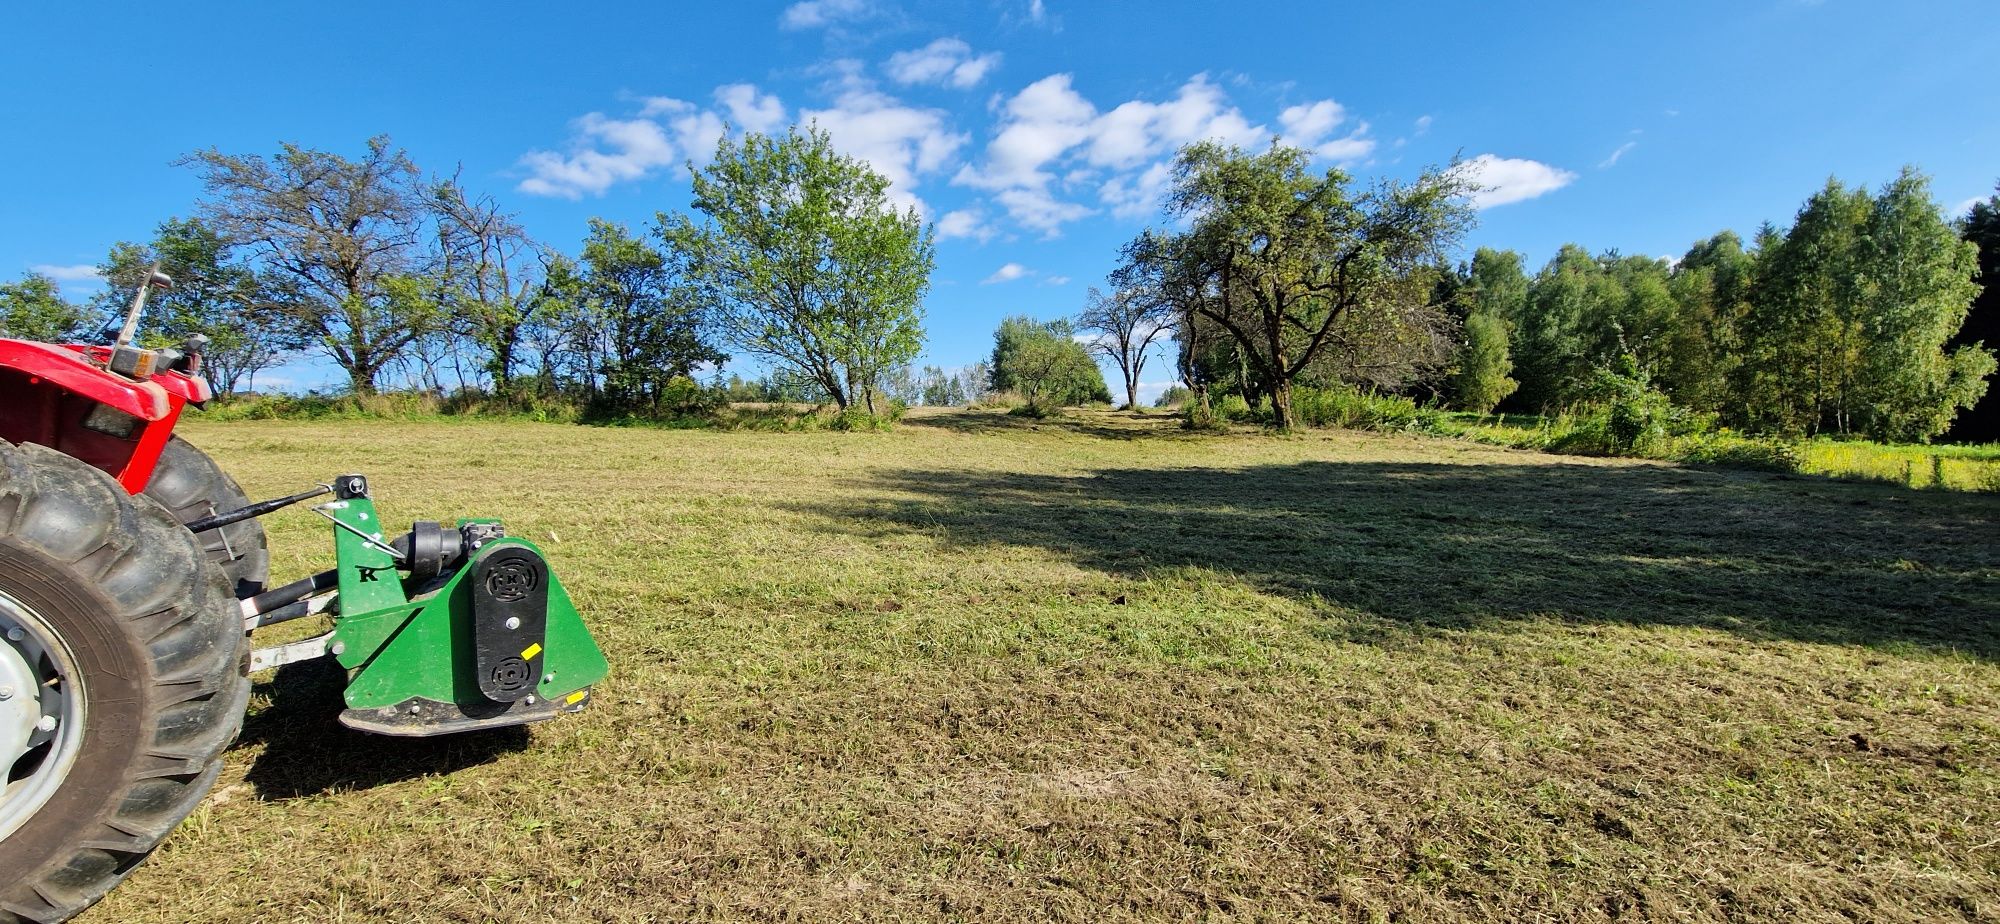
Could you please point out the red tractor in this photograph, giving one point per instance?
(132, 570)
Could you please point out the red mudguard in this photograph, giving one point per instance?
(53, 395)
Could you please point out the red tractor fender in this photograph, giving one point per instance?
(52, 394)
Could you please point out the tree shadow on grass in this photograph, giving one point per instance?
(308, 752)
(1116, 425)
(1454, 545)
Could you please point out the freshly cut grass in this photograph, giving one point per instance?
(1095, 669)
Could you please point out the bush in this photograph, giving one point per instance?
(1175, 396)
(1739, 452)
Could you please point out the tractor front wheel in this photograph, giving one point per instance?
(121, 681)
(189, 483)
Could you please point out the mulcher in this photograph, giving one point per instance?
(132, 573)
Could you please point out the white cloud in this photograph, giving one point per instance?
(1049, 131)
(1504, 180)
(1007, 273)
(1623, 150)
(1056, 281)
(1310, 122)
(814, 14)
(750, 110)
(603, 151)
(969, 223)
(1958, 210)
(81, 272)
(694, 130)
(1308, 125)
(946, 61)
(1036, 12)
(1423, 125)
(1041, 210)
(901, 142)
(1138, 197)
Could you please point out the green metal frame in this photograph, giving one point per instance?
(396, 648)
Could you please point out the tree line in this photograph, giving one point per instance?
(1266, 277)
(1859, 318)
(791, 253)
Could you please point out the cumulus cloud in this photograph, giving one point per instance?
(1312, 120)
(1007, 273)
(1309, 125)
(1052, 139)
(1504, 180)
(816, 14)
(901, 142)
(603, 151)
(947, 61)
(1138, 197)
(1612, 161)
(749, 109)
(81, 272)
(967, 223)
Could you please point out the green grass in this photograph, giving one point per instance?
(1951, 467)
(1097, 669)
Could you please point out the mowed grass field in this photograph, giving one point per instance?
(982, 669)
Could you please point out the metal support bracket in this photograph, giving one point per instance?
(264, 659)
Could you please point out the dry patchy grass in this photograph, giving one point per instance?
(1093, 669)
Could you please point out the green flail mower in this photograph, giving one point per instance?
(441, 630)
(133, 571)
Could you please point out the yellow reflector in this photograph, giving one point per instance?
(529, 653)
(573, 698)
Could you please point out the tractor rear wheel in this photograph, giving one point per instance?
(190, 484)
(122, 680)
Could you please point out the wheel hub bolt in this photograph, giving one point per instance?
(16, 634)
(48, 723)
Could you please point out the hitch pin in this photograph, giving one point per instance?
(371, 540)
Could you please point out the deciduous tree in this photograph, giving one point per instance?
(1125, 324)
(806, 262)
(344, 246)
(1283, 256)
(213, 295)
(34, 309)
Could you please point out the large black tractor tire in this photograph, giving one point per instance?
(156, 656)
(190, 484)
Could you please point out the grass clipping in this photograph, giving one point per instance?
(1099, 669)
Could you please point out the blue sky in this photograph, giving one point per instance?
(1032, 131)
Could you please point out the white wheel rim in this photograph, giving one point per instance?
(41, 716)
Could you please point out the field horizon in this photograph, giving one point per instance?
(1097, 668)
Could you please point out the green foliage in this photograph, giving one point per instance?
(635, 302)
(1301, 273)
(344, 247)
(1982, 322)
(804, 262)
(1174, 396)
(1043, 363)
(34, 309)
(214, 295)
(1481, 380)
(1850, 321)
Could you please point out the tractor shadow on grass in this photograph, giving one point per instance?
(308, 752)
(1417, 546)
